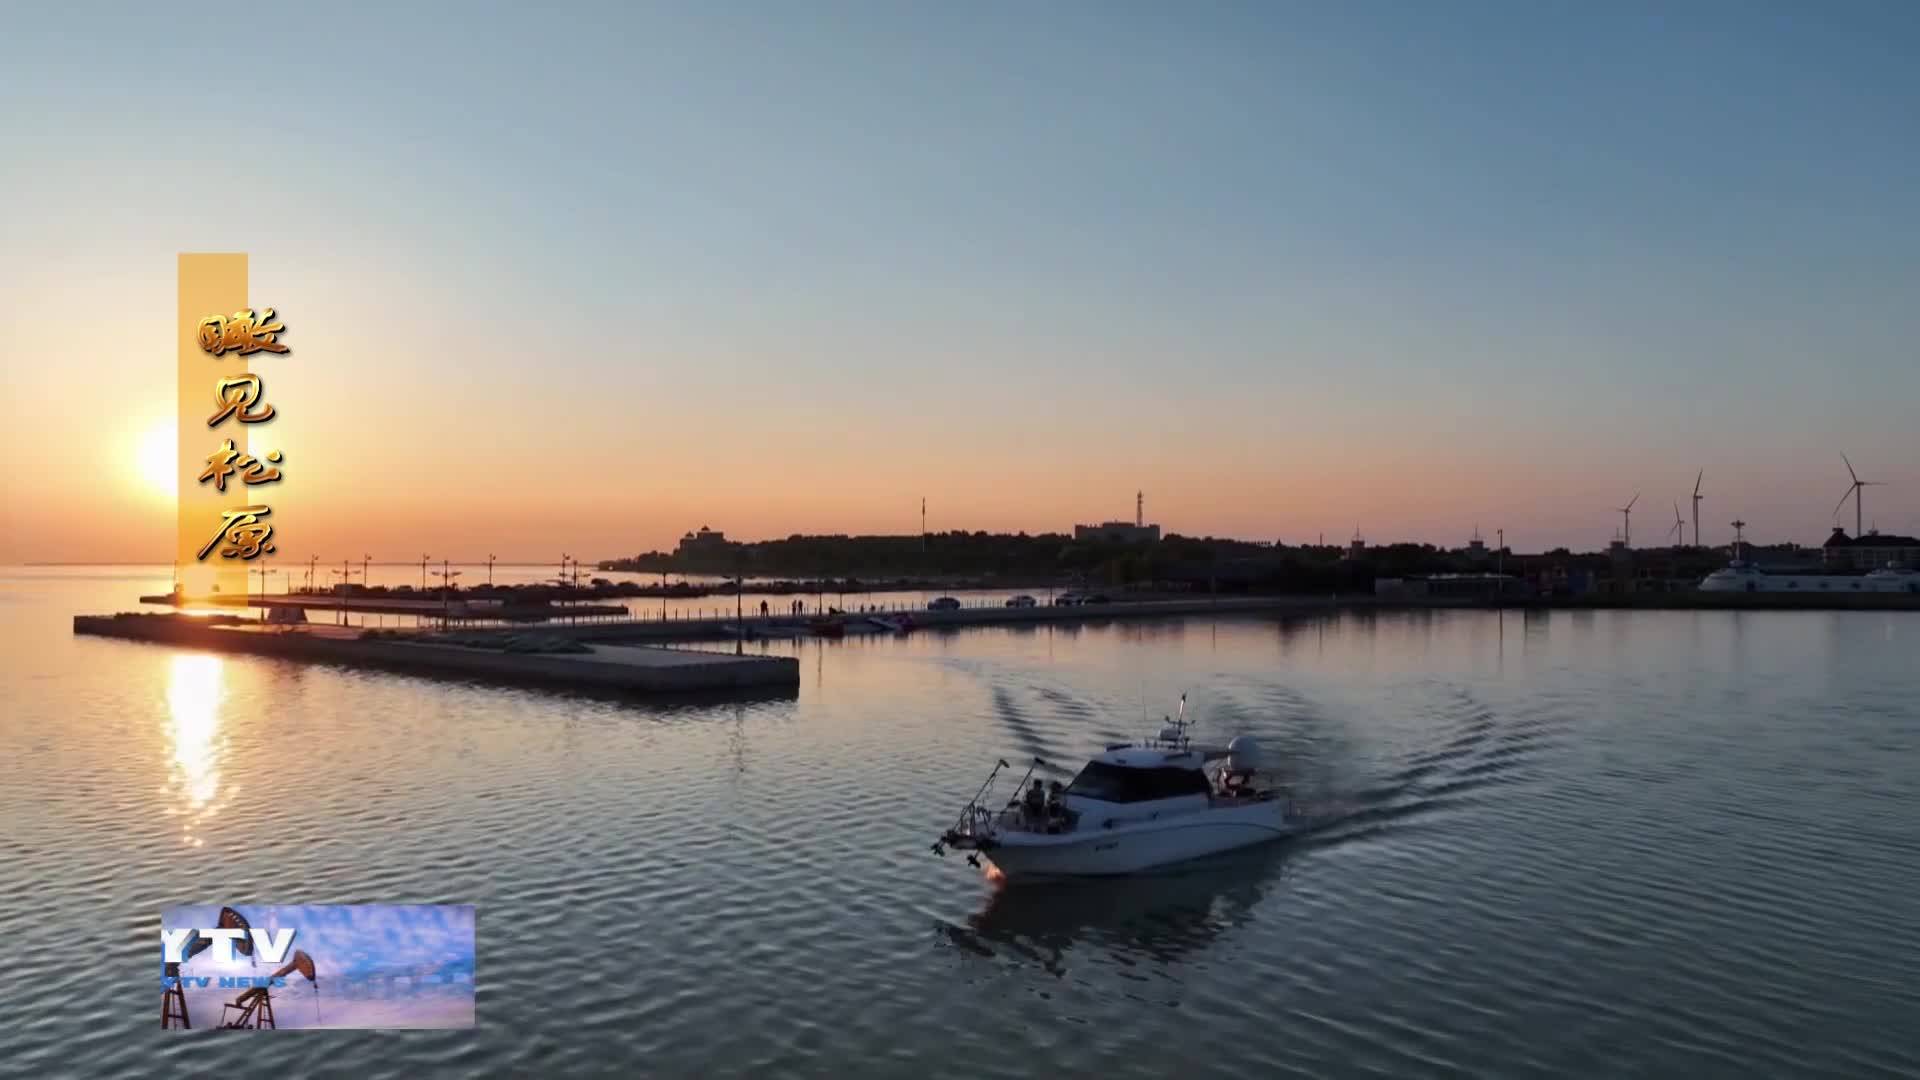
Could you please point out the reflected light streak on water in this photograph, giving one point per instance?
(194, 693)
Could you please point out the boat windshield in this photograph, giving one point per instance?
(1119, 784)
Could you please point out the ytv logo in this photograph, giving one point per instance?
(177, 945)
(231, 932)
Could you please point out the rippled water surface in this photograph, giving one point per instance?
(1602, 843)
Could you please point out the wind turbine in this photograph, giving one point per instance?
(1626, 512)
(1696, 506)
(1679, 526)
(1854, 493)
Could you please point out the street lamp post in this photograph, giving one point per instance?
(576, 582)
(263, 572)
(346, 588)
(490, 572)
(446, 575)
(423, 571)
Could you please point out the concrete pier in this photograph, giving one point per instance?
(603, 667)
(856, 622)
(423, 607)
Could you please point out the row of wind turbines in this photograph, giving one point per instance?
(1678, 530)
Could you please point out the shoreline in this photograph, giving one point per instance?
(624, 656)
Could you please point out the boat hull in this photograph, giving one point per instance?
(1138, 848)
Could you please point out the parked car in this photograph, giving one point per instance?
(1069, 599)
(1098, 598)
(1023, 600)
(943, 603)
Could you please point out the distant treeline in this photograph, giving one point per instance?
(1175, 562)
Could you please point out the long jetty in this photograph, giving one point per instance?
(598, 666)
(753, 625)
(608, 657)
(425, 608)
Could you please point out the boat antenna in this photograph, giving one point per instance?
(1176, 724)
(939, 846)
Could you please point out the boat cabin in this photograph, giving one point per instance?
(1138, 774)
(1129, 782)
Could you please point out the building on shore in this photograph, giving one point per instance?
(1117, 532)
(1872, 551)
(1136, 531)
(704, 544)
(1476, 549)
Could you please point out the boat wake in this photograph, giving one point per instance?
(1468, 753)
(1475, 752)
(1467, 750)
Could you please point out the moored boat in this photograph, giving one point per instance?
(1740, 575)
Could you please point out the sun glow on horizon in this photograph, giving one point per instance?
(156, 461)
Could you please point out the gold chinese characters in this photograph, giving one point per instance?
(241, 333)
(227, 461)
(246, 536)
(243, 534)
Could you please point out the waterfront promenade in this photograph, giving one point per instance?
(754, 625)
(604, 667)
(610, 655)
(461, 609)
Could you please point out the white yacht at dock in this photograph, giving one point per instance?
(1743, 576)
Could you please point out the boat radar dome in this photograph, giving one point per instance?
(1243, 754)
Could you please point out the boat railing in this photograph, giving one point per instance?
(1017, 818)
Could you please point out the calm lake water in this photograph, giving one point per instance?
(1602, 843)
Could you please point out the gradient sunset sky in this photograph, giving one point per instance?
(582, 279)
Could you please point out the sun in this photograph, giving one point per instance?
(156, 459)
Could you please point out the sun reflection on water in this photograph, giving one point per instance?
(194, 692)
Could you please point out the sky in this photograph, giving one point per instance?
(586, 277)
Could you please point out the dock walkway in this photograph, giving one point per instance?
(601, 666)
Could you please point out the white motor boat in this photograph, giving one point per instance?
(1133, 807)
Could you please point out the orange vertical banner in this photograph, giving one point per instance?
(209, 285)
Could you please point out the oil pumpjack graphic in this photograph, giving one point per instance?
(252, 1009)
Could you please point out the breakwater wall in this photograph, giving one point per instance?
(603, 667)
